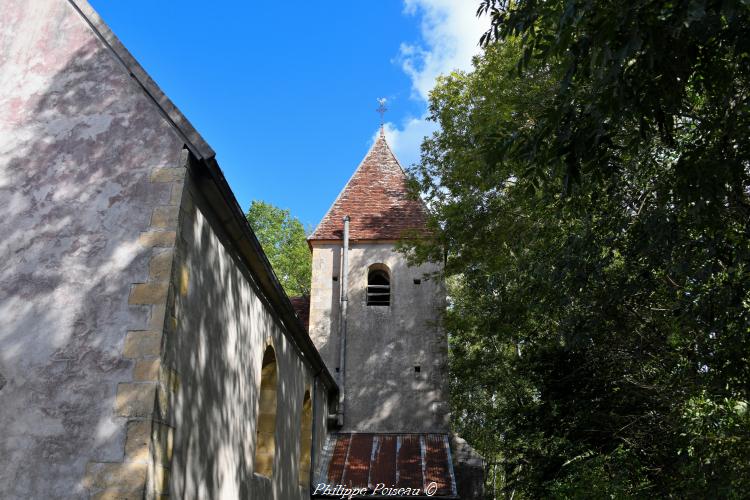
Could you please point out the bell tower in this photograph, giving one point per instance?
(374, 318)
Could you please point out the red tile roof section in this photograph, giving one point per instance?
(364, 460)
(301, 306)
(376, 200)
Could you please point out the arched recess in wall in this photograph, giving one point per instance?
(265, 443)
(378, 285)
(305, 444)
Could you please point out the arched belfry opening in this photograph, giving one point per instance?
(305, 445)
(378, 285)
(265, 443)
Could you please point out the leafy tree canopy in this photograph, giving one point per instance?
(284, 242)
(589, 194)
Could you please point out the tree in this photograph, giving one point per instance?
(284, 242)
(629, 75)
(589, 191)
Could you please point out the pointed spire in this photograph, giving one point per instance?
(377, 200)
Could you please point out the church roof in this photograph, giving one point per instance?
(376, 200)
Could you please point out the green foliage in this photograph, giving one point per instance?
(589, 189)
(284, 242)
(630, 74)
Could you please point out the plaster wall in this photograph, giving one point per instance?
(384, 344)
(324, 303)
(223, 326)
(79, 140)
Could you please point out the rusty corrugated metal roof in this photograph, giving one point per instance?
(378, 461)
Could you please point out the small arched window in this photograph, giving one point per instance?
(305, 445)
(378, 286)
(265, 444)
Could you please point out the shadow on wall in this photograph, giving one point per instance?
(265, 430)
(306, 435)
(396, 353)
(218, 349)
(78, 144)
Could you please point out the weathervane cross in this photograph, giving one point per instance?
(381, 109)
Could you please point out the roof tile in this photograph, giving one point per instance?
(376, 200)
(301, 306)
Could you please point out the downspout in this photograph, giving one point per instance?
(314, 437)
(342, 326)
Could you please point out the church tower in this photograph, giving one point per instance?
(375, 320)
(373, 317)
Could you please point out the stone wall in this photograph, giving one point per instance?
(132, 329)
(324, 302)
(223, 324)
(384, 345)
(86, 232)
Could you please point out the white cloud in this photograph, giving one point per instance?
(450, 33)
(406, 140)
(450, 38)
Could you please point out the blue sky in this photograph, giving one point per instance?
(285, 92)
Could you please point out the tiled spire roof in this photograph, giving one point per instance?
(376, 200)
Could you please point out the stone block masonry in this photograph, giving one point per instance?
(145, 402)
(91, 169)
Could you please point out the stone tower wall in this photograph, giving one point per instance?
(384, 393)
